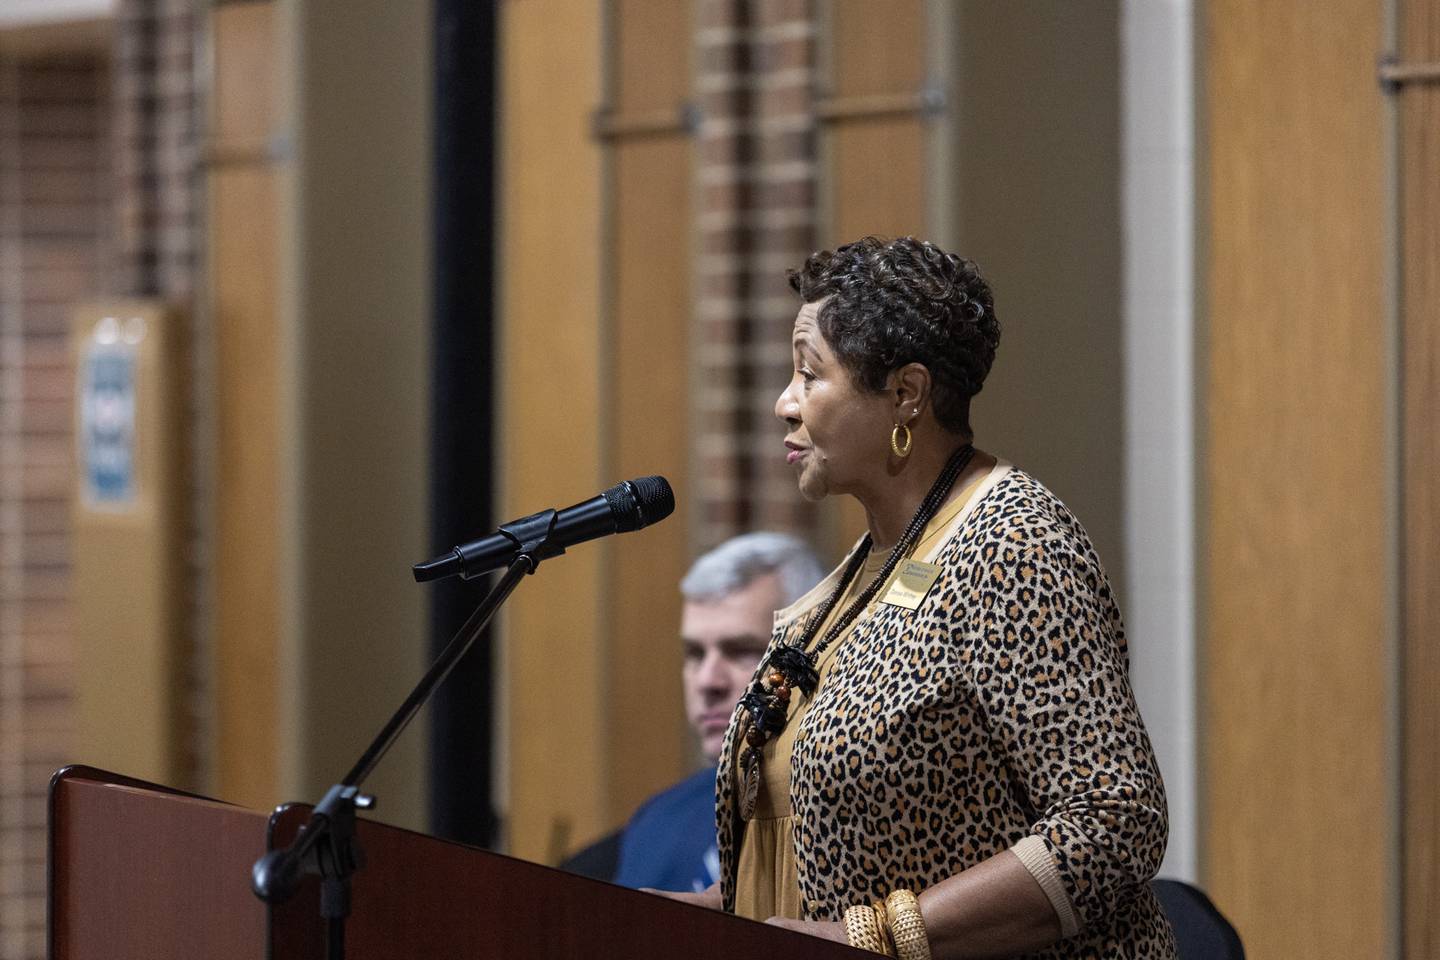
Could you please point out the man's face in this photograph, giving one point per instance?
(724, 640)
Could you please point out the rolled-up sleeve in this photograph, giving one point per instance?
(1050, 671)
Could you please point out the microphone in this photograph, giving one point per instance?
(624, 507)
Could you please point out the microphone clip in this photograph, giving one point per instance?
(532, 536)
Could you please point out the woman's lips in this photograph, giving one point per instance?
(796, 452)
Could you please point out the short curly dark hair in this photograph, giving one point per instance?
(893, 302)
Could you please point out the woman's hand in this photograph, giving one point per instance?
(708, 898)
(825, 930)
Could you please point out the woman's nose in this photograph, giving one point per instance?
(785, 406)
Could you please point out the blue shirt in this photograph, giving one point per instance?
(669, 844)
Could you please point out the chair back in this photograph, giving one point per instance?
(1201, 931)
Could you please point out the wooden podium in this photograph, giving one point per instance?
(142, 871)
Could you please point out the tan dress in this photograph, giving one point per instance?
(767, 882)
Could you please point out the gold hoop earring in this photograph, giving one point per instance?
(900, 451)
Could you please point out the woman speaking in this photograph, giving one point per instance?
(941, 753)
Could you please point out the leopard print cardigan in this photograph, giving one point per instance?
(998, 710)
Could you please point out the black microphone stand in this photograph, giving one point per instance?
(326, 845)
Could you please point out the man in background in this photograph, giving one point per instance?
(731, 595)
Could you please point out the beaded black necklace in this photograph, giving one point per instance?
(788, 666)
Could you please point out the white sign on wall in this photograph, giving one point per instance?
(107, 414)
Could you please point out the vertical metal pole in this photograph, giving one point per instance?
(462, 451)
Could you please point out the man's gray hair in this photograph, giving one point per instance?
(740, 560)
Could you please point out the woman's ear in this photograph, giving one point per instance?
(910, 386)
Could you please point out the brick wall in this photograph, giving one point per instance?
(156, 149)
(156, 202)
(54, 124)
(99, 183)
(757, 172)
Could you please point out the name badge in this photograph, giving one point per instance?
(912, 580)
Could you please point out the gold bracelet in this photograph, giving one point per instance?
(862, 929)
(907, 926)
(887, 942)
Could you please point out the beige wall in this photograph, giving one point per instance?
(355, 301)
(1037, 204)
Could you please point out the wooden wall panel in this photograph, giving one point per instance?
(872, 178)
(242, 38)
(554, 757)
(649, 362)
(1297, 783)
(873, 47)
(1420, 268)
(877, 177)
(648, 272)
(243, 292)
(601, 396)
(873, 175)
(650, 55)
(125, 577)
(248, 541)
